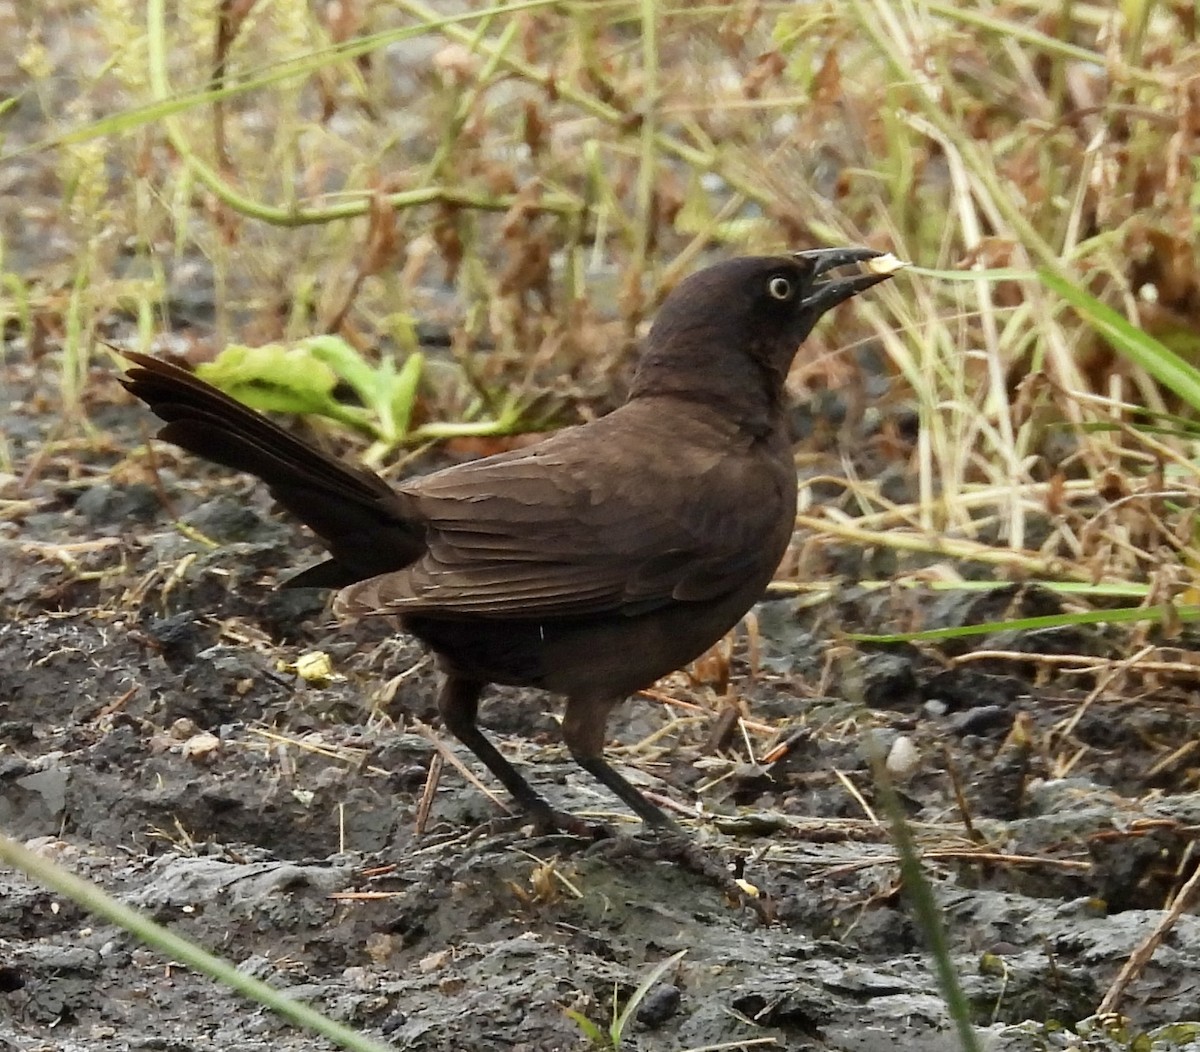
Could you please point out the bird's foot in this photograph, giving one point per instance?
(549, 821)
(672, 844)
(546, 821)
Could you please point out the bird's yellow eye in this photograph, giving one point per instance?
(780, 288)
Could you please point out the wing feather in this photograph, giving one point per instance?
(541, 533)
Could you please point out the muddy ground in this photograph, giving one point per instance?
(153, 739)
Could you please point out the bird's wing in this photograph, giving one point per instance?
(554, 531)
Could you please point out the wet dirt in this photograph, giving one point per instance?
(155, 738)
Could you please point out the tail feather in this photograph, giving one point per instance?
(366, 525)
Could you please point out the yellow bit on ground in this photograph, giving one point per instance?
(314, 667)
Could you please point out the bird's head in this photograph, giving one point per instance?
(729, 333)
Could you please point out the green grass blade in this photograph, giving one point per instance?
(1123, 616)
(177, 948)
(1139, 347)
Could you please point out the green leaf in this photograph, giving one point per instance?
(404, 391)
(347, 363)
(387, 394)
(283, 380)
(273, 377)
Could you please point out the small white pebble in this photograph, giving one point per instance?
(182, 729)
(903, 758)
(201, 746)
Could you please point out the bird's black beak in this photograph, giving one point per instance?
(824, 295)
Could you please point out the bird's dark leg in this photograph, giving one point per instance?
(584, 724)
(458, 703)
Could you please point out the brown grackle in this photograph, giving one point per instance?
(592, 563)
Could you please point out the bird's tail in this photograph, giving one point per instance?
(365, 524)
